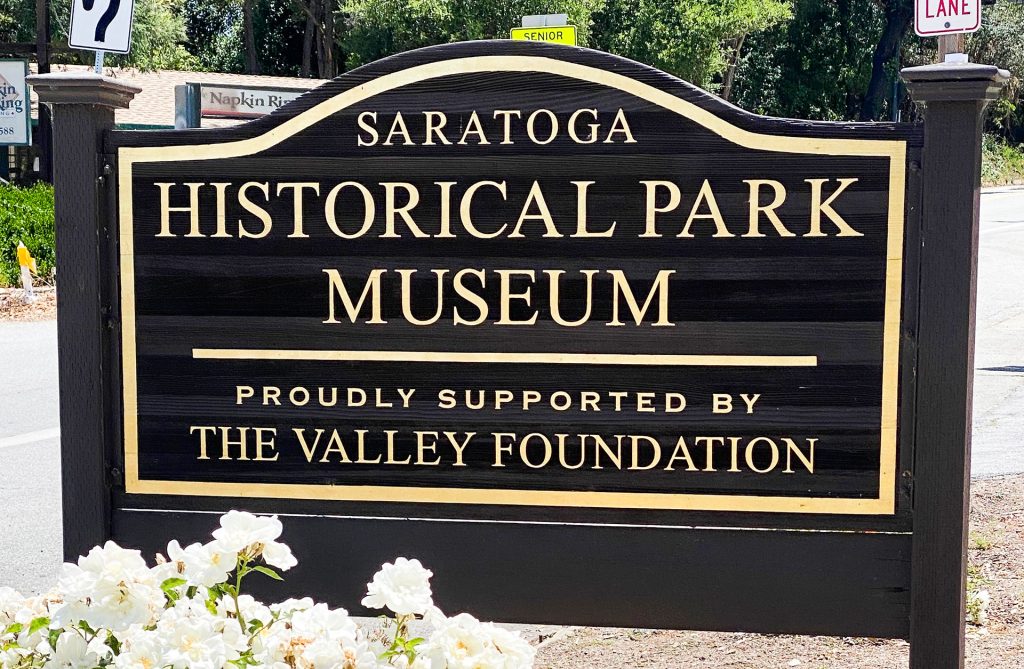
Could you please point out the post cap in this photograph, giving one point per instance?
(951, 82)
(83, 88)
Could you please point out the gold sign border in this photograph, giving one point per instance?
(894, 150)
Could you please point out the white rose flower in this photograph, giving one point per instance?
(140, 649)
(252, 609)
(10, 601)
(403, 587)
(193, 642)
(279, 555)
(202, 564)
(111, 587)
(314, 636)
(74, 652)
(515, 650)
(463, 642)
(290, 605)
(239, 529)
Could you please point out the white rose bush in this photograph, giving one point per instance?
(188, 611)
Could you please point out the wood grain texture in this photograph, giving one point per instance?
(954, 99)
(695, 568)
(848, 584)
(85, 270)
(823, 297)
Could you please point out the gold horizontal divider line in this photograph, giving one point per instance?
(494, 357)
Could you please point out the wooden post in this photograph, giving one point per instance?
(954, 97)
(82, 107)
(955, 43)
(44, 131)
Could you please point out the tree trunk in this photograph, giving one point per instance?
(307, 46)
(735, 45)
(328, 68)
(898, 14)
(252, 64)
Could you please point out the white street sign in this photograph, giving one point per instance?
(101, 25)
(946, 17)
(544, 20)
(243, 101)
(14, 103)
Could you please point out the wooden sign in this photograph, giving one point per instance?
(593, 344)
(515, 298)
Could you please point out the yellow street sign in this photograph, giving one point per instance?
(556, 34)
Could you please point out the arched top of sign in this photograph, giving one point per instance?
(653, 86)
(460, 101)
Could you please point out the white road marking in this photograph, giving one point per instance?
(29, 437)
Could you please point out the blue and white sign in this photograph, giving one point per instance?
(15, 123)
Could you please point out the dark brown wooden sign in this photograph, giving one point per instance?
(521, 281)
(595, 345)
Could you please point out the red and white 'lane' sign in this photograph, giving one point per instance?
(943, 17)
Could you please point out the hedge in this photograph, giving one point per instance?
(26, 215)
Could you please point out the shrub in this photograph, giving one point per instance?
(26, 215)
(1001, 163)
(111, 609)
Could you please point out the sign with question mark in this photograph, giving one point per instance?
(101, 25)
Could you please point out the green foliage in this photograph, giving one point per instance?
(688, 39)
(26, 215)
(1000, 41)
(279, 29)
(158, 33)
(977, 595)
(1001, 163)
(158, 38)
(817, 66)
(384, 27)
(213, 33)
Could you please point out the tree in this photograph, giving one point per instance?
(898, 15)
(213, 34)
(320, 36)
(816, 66)
(158, 33)
(697, 41)
(158, 38)
(1000, 41)
(383, 27)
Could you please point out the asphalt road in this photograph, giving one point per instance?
(29, 448)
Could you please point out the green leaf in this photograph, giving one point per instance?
(14, 628)
(170, 588)
(53, 636)
(172, 583)
(114, 643)
(268, 572)
(38, 624)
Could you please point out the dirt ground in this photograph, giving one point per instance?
(14, 308)
(997, 564)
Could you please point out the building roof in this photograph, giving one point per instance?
(154, 106)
